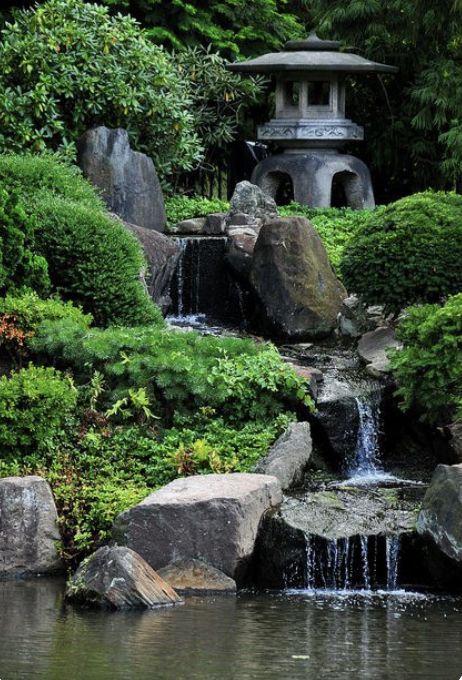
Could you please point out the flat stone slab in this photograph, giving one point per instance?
(197, 577)
(118, 578)
(213, 518)
(28, 528)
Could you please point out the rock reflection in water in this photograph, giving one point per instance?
(302, 636)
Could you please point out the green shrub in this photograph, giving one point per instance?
(21, 314)
(19, 265)
(429, 368)
(35, 404)
(80, 67)
(181, 371)
(92, 259)
(335, 226)
(27, 175)
(407, 253)
(180, 208)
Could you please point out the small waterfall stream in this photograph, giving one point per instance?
(202, 291)
(358, 562)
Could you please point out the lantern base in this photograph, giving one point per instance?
(318, 178)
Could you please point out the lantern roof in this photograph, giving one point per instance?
(311, 54)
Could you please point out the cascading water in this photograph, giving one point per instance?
(362, 561)
(202, 289)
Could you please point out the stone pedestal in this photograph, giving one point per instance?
(313, 174)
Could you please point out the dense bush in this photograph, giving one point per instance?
(429, 368)
(20, 315)
(93, 261)
(181, 372)
(180, 208)
(90, 257)
(19, 265)
(80, 67)
(35, 404)
(407, 253)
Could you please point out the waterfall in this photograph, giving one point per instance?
(351, 563)
(202, 288)
(366, 462)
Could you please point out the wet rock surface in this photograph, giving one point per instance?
(28, 528)
(118, 578)
(194, 577)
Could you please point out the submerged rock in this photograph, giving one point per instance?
(294, 281)
(118, 578)
(196, 577)
(213, 518)
(127, 179)
(440, 523)
(289, 456)
(28, 528)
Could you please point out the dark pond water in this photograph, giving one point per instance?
(294, 636)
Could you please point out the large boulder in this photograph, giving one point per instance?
(194, 577)
(289, 456)
(28, 528)
(127, 179)
(117, 578)
(440, 522)
(294, 280)
(213, 518)
(162, 254)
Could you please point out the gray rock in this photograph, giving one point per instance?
(331, 523)
(118, 578)
(213, 518)
(195, 225)
(289, 456)
(127, 179)
(28, 528)
(215, 224)
(250, 200)
(455, 441)
(373, 346)
(440, 522)
(294, 281)
(239, 251)
(162, 254)
(197, 577)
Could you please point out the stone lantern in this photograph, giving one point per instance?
(310, 125)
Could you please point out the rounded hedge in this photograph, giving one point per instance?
(409, 252)
(90, 257)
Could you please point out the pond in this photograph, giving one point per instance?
(297, 634)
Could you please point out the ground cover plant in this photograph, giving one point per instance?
(133, 408)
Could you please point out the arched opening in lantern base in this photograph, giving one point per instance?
(347, 191)
(278, 185)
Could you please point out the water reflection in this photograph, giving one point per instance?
(297, 635)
